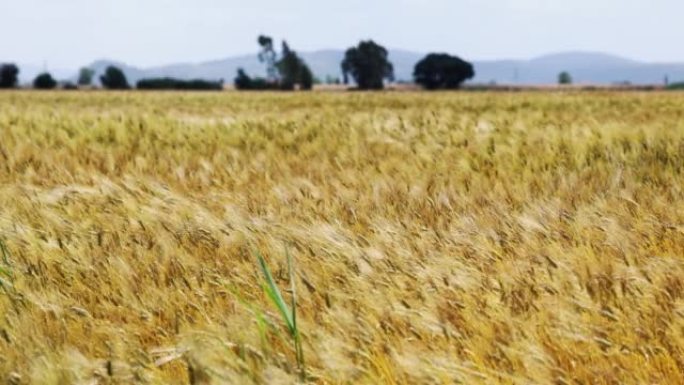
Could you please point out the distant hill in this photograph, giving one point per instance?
(323, 63)
(585, 67)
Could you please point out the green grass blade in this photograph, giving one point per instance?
(288, 314)
(258, 314)
(293, 287)
(5, 272)
(274, 293)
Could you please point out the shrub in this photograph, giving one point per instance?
(245, 82)
(179, 84)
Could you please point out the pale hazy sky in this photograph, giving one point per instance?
(70, 33)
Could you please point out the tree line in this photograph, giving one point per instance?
(113, 78)
(367, 65)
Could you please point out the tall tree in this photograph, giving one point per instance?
(268, 56)
(442, 71)
(9, 75)
(285, 73)
(85, 76)
(114, 79)
(44, 81)
(564, 78)
(306, 80)
(293, 70)
(368, 64)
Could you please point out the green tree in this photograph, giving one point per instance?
(368, 64)
(285, 73)
(114, 79)
(268, 56)
(44, 81)
(306, 80)
(85, 76)
(9, 75)
(293, 71)
(442, 71)
(564, 78)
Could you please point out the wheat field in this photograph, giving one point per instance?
(446, 238)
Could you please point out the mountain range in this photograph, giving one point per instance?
(584, 67)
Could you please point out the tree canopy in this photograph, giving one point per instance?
(564, 78)
(285, 73)
(368, 64)
(268, 56)
(114, 79)
(44, 81)
(442, 71)
(9, 75)
(85, 76)
(293, 71)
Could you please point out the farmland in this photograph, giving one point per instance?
(475, 238)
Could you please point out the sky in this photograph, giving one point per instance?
(72, 33)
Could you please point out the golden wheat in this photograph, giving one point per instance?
(530, 238)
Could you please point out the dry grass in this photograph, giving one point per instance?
(438, 238)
